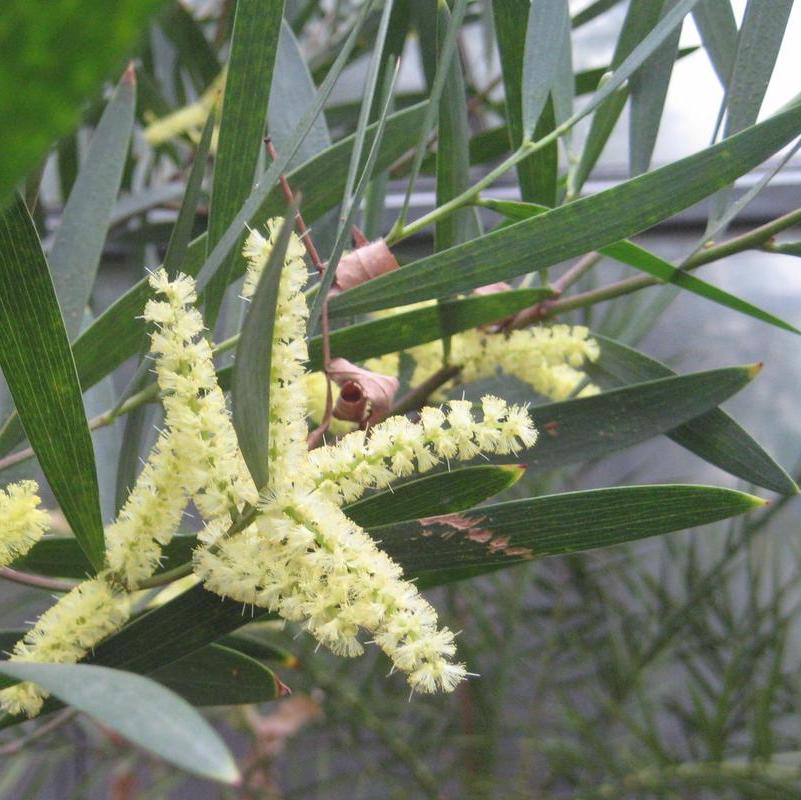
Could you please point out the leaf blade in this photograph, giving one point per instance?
(37, 363)
(138, 709)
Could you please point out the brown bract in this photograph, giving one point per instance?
(368, 260)
(364, 395)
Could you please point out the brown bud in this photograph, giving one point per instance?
(364, 395)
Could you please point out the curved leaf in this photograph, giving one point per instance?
(138, 709)
(441, 549)
(37, 363)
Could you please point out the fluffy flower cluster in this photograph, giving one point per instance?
(65, 633)
(22, 522)
(306, 560)
(547, 358)
(398, 447)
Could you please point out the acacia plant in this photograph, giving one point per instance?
(287, 418)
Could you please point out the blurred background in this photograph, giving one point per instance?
(651, 670)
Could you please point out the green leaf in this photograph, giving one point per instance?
(718, 28)
(219, 676)
(254, 41)
(648, 87)
(592, 11)
(453, 153)
(548, 22)
(576, 228)
(640, 19)
(291, 95)
(37, 364)
(758, 44)
(251, 373)
(138, 709)
(511, 19)
(713, 436)
(646, 261)
(52, 63)
(118, 333)
(195, 53)
(443, 493)
(590, 427)
(455, 546)
(446, 51)
(81, 234)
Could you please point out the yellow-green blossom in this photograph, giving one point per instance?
(22, 522)
(398, 447)
(64, 634)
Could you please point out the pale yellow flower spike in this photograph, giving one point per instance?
(64, 634)
(22, 522)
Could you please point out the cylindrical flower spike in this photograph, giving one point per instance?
(64, 634)
(22, 522)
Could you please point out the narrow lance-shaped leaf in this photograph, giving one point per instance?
(718, 28)
(81, 234)
(453, 155)
(138, 709)
(639, 20)
(578, 227)
(437, 550)
(578, 430)
(638, 257)
(548, 21)
(511, 18)
(648, 87)
(257, 24)
(219, 676)
(37, 363)
(713, 436)
(444, 493)
(251, 373)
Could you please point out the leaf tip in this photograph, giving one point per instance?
(516, 471)
(754, 369)
(129, 76)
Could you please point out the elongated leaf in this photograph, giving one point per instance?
(140, 710)
(638, 257)
(441, 549)
(444, 493)
(81, 234)
(590, 427)
(291, 95)
(254, 41)
(718, 28)
(511, 20)
(642, 259)
(52, 63)
(648, 87)
(194, 51)
(118, 333)
(251, 376)
(576, 228)
(713, 436)
(453, 153)
(593, 10)
(640, 19)
(758, 44)
(37, 364)
(219, 676)
(548, 22)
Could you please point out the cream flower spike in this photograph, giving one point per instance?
(64, 634)
(22, 522)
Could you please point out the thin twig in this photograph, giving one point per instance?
(416, 397)
(39, 581)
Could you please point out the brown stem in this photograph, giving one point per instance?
(304, 233)
(17, 745)
(39, 581)
(416, 397)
